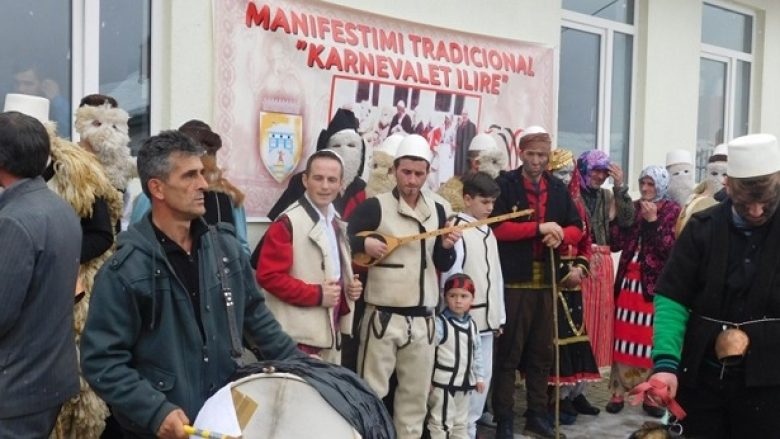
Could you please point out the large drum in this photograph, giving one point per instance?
(273, 405)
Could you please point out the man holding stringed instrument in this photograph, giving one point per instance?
(527, 341)
(398, 327)
(305, 264)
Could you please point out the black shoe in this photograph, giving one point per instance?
(653, 410)
(486, 420)
(505, 428)
(564, 418)
(583, 406)
(538, 426)
(615, 405)
(567, 406)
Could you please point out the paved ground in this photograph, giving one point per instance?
(603, 426)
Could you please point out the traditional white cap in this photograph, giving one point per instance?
(34, 106)
(533, 129)
(677, 156)
(483, 142)
(390, 144)
(414, 145)
(722, 149)
(754, 155)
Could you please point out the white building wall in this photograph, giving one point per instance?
(668, 45)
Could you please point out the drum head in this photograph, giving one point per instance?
(289, 408)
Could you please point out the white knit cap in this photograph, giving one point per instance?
(390, 144)
(482, 142)
(677, 156)
(754, 155)
(722, 149)
(34, 106)
(414, 145)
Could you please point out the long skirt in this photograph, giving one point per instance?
(633, 331)
(577, 364)
(599, 304)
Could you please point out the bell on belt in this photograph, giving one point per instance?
(731, 346)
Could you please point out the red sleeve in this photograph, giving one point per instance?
(571, 235)
(509, 231)
(352, 204)
(584, 246)
(274, 264)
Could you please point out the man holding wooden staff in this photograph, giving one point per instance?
(527, 341)
(401, 291)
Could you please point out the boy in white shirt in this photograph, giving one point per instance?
(477, 256)
(458, 367)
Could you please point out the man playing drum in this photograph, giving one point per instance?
(169, 309)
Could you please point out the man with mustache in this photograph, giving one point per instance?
(170, 308)
(721, 285)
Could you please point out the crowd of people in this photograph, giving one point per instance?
(167, 299)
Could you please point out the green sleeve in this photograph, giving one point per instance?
(671, 318)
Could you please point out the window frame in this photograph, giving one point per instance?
(85, 59)
(732, 57)
(606, 29)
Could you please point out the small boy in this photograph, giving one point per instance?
(477, 256)
(458, 366)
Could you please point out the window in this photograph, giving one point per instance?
(36, 51)
(66, 50)
(724, 79)
(125, 42)
(596, 77)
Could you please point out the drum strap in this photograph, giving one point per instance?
(236, 348)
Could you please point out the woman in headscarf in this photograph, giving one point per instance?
(646, 246)
(577, 364)
(603, 207)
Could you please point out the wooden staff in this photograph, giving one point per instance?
(556, 345)
(364, 260)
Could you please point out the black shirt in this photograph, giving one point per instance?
(185, 265)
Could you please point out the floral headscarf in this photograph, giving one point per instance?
(660, 177)
(590, 160)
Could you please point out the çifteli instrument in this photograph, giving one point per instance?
(364, 260)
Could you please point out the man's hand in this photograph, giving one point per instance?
(617, 174)
(448, 241)
(573, 279)
(551, 228)
(552, 234)
(649, 210)
(480, 387)
(331, 290)
(172, 426)
(375, 248)
(667, 378)
(355, 288)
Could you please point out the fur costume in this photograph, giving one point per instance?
(380, 177)
(491, 161)
(80, 180)
(105, 129)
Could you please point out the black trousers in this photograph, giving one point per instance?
(527, 341)
(725, 408)
(32, 426)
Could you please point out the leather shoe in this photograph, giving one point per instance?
(538, 426)
(505, 428)
(653, 410)
(583, 406)
(615, 405)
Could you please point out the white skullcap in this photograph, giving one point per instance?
(33, 106)
(754, 155)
